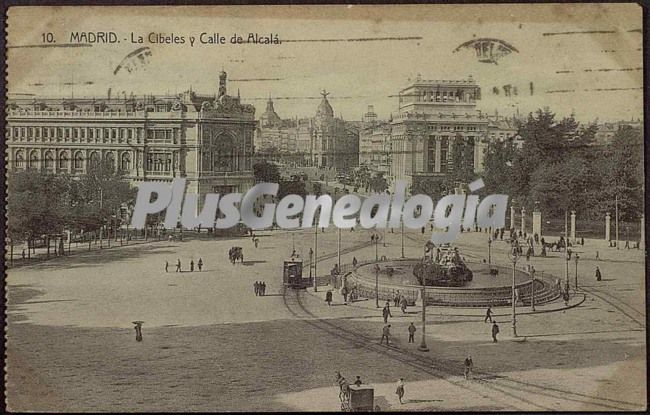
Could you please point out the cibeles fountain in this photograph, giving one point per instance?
(449, 279)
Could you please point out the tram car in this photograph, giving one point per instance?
(292, 276)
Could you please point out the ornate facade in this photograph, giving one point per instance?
(207, 139)
(432, 115)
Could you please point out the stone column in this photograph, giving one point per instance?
(573, 225)
(523, 220)
(537, 223)
(438, 149)
(608, 220)
(512, 217)
(642, 240)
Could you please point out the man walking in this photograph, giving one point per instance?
(385, 334)
(191, 265)
(495, 331)
(488, 315)
(468, 367)
(598, 274)
(412, 330)
(256, 286)
(166, 266)
(263, 288)
(178, 265)
(200, 264)
(386, 313)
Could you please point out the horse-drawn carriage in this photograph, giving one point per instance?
(358, 399)
(292, 274)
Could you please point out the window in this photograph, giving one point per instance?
(63, 161)
(37, 132)
(83, 133)
(126, 162)
(67, 133)
(20, 160)
(78, 160)
(91, 133)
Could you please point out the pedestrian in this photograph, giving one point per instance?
(328, 297)
(358, 382)
(488, 315)
(23, 253)
(386, 313)
(582, 241)
(598, 274)
(495, 331)
(344, 293)
(178, 265)
(597, 256)
(200, 264)
(412, 330)
(263, 288)
(565, 297)
(256, 286)
(396, 299)
(400, 389)
(166, 266)
(257, 241)
(191, 265)
(354, 261)
(468, 367)
(385, 334)
(403, 304)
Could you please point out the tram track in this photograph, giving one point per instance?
(622, 307)
(507, 389)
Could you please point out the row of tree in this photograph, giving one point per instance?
(40, 204)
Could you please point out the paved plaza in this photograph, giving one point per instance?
(210, 344)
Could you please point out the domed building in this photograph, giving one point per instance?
(334, 143)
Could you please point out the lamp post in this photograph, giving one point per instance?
(402, 224)
(376, 285)
(490, 252)
(311, 254)
(375, 239)
(577, 257)
(339, 250)
(315, 258)
(514, 256)
(423, 344)
(566, 273)
(532, 288)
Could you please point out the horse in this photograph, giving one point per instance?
(344, 389)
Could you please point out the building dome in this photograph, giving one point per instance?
(324, 108)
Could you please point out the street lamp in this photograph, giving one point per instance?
(490, 252)
(315, 258)
(311, 254)
(376, 268)
(375, 238)
(577, 257)
(514, 256)
(402, 223)
(423, 344)
(532, 288)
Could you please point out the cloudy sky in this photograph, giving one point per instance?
(590, 53)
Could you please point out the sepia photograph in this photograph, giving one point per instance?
(340, 208)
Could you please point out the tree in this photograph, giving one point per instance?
(266, 172)
(462, 161)
(497, 165)
(378, 183)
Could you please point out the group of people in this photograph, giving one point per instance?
(344, 387)
(179, 266)
(495, 326)
(260, 288)
(400, 301)
(385, 334)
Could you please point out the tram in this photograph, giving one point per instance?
(292, 275)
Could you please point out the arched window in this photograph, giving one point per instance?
(49, 161)
(78, 160)
(20, 160)
(126, 162)
(110, 159)
(63, 161)
(33, 159)
(93, 159)
(224, 153)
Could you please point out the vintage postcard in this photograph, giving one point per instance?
(325, 208)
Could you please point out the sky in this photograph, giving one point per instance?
(592, 53)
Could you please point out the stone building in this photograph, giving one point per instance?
(275, 134)
(334, 142)
(434, 115)
(207, 139)
(375, 147)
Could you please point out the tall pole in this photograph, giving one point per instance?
(376, 247)
(490, 252)
(339, 250)
(566, 272)
(376, 285)
(616, 203)
(577, 257)
(423, 344)
(315, 258)
(532, 288)
(514, 255)
(384, 240)
(566, 232)
(402, 239)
